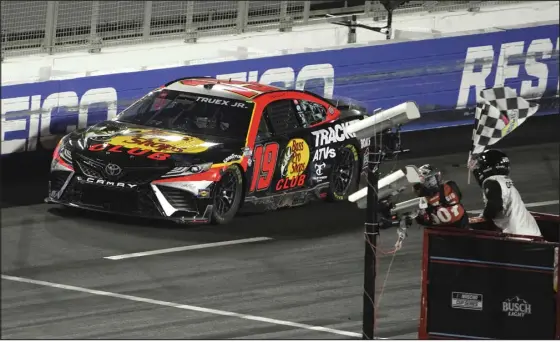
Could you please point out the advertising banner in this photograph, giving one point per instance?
(488, 287)
(441, 75)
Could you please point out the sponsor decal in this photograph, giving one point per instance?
(466, 301)
(221, 102)
(324, 153)
(319, 171)
(108, 148)
(333, 134)
(203, 193)
(295, 159)
(516, 307)
(152, 144)
(290, 183)
(289, 78)
(232, 157)
(524, 59)
(293, 165)
(247, 152)
(525, 66)
(319, 168)
(32, 120)
(158, 141)
(105, 182)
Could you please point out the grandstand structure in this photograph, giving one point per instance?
(38, 27)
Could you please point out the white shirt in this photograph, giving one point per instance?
(514, 217)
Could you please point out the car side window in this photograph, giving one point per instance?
(282, 116)
(264, 130)
(311, 112)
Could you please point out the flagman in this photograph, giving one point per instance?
(503, 203)
(499, 111)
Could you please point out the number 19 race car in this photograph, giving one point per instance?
(197, 150)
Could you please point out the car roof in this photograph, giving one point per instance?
(231, 89)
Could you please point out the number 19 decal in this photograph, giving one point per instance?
(265, 163)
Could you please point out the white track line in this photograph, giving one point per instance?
(186, 248)
(527, 205)
(181, 306)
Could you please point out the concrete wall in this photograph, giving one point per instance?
(27, 69)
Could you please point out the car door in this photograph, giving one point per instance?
(282, 154)
(321, 153)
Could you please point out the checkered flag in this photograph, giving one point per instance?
(498, 112)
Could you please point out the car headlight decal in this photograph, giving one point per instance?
(188, 170)
(66, 155)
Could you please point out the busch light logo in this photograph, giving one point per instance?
(516, 307)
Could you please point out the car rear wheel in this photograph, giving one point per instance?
(227, 196)
(344, 175)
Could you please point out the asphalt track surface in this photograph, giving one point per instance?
(310, 272)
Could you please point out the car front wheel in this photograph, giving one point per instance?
(227, 196)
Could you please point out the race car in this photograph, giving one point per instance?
(198, 150)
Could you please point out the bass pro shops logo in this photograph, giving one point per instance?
(516, 307)
(293, 165)
(295, 158)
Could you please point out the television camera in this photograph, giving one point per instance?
(386, 145)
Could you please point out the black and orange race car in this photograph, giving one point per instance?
(200, 149)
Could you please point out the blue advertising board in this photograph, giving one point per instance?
(441, 75)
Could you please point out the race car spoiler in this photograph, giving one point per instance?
(481, 284)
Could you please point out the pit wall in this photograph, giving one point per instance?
(312, 37)
(441, 75)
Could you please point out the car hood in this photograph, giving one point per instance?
(125, 143)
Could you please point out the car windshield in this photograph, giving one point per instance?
(351, 103)
(190, 113)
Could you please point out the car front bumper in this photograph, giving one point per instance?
(175, 202)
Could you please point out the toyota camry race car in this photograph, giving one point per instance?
(198, 149)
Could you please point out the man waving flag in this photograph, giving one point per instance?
(498, 112)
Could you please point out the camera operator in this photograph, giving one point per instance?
(442, 200)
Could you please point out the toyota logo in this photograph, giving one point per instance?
(113, 170)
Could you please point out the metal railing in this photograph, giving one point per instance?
(32, 27)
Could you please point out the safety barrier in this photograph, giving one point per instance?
(479, 284)
(441, 75)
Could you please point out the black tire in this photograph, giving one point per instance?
(226, 205)
(344, 174)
